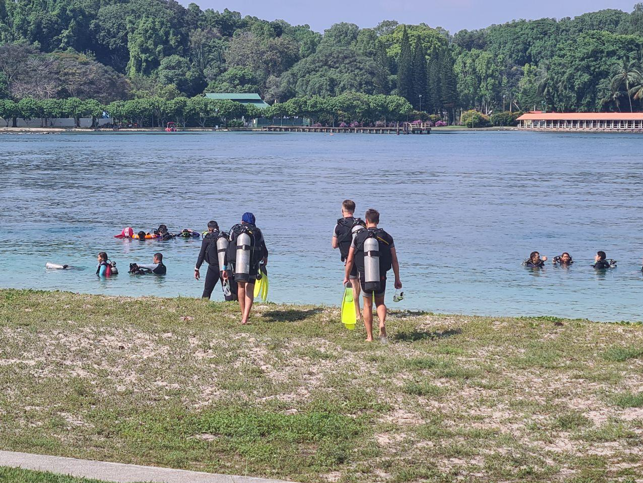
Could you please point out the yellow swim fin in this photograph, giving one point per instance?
(349, 318)
(265, 284)
(261, 285)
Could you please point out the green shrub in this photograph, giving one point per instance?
(505, 118)
(474, 119)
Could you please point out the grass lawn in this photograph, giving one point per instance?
(15, 475)
(179, 383)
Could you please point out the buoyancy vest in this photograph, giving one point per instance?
(384, 251)
(346, 228)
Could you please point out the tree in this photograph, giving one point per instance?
(29, 108)
(75, 108)
(419, 76)
(448, 83)
(176, 70)
(405, 69)
(9, 111)
(625, 73)
(434, 88)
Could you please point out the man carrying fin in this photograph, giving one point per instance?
(345, 230)
(245, 252)
(373, 252)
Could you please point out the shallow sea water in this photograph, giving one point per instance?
(464, 209)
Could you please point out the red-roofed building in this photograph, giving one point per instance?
(579, 121)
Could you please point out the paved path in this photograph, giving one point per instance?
(116, 472)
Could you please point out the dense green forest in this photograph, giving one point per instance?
(83, 55)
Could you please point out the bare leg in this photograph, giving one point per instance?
(356, 291)
(241, 292)
(381, 314)
(249, 297)
(368, 317)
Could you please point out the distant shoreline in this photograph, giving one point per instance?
(85, 130)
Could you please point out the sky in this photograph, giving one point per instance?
(453, 15)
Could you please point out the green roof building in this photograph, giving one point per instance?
(253, 99)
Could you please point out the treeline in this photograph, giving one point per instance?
(113, 50)
(201, 111)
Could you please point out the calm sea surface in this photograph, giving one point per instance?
(465, 209)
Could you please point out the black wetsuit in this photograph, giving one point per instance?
(155, 268)
(530, 264)
(602, 265)
(208, 254)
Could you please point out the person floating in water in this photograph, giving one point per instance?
(156, 268)
(345, 230)
(535, 261)
(247, 249)
(373, 251)
(106, 268)
(602, 263)
(564, 260)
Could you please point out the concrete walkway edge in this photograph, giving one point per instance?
(116, 472)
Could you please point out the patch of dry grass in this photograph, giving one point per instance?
(177, 382)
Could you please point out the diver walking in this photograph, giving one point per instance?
(246, 251)
(212, 251)
(345, 230)
(373, 251)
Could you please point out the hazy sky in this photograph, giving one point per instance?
(453, 15)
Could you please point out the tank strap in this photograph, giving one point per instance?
(372, 253)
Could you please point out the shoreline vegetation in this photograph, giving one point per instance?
(61, 130)
(147, 62)
(179, 383)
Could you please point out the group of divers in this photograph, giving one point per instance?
(239, 258)
(601, 262)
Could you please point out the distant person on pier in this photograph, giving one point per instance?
(345, 230)
(535, 261)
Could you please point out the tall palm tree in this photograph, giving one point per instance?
(625, 72)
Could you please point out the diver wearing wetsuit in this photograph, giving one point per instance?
(535, 261)
(157, 268)
(601, 262)
(564, 260)
(209, 254)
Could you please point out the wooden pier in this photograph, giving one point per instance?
(405, 128)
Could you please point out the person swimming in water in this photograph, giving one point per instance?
(564, 260)
(535, 261)
(106, 268)
(602, 263)
(156, 268)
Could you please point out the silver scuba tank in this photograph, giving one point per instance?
(242, 264)
(372, 264)
(222, 246)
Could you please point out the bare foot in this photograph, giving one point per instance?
(382, 331)
(244, 322)
(369, 339)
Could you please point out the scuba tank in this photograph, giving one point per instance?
(222, 246)
(242, 265)
(372, 264)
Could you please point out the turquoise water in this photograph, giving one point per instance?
(464, 208)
